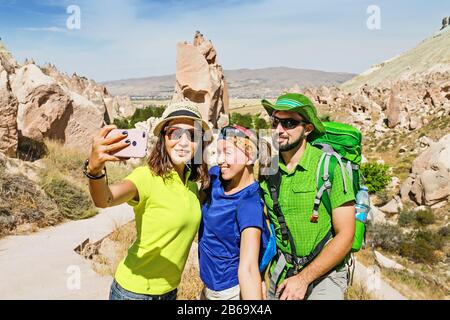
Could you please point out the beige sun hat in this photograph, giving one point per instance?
(184, 109)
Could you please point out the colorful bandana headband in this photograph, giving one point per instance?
(242, 138)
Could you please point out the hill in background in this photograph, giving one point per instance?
(431, 55)
(242, 83)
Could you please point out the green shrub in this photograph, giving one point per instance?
(21, 201)
(421, 245)
(140, 115)
(418, 250)
(385, 236)
(122, 123)
(377, 176)
(72, 202)
(144, 114)
(244, 120)
(425, 217)
(249, 121)
(260, 123)
(406, 218)
(434, 239)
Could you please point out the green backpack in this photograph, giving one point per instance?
(341, 145)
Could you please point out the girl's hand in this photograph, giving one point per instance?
(264, 290)
(102, 147)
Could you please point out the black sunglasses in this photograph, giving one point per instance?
(287, 123)
(175, 133)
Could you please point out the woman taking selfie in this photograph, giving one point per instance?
(233, 230)
(164, 196)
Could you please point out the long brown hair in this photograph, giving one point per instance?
(160, 163)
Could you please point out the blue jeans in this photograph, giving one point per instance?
(119, 293)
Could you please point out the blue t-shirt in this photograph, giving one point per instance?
(224, 217)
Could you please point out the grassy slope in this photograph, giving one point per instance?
(431, 53)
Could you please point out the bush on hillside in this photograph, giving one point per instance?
(420, 218)
(385, 236)
(377, 176)
(21, 202)
(140, 115)
(73, 202)
(249, 121)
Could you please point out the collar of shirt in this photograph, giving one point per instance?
(303, 164)
(174, 175)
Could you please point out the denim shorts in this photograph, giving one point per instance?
(119, 293)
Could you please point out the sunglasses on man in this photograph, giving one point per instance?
(287, 123)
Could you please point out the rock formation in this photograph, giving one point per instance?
(404, 104)
(200, 79)
(38, 103)
(8, 105)
(48, 109)
(445, 22)
(429, 181)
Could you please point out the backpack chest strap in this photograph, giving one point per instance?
(297, 262)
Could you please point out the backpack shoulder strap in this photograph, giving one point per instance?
(274, 183)
(325, 178)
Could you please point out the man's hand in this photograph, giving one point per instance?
(293, 288)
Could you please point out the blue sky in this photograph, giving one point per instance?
(122, 39)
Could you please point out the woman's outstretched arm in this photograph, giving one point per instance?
(103, 195)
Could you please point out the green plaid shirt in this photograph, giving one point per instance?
(296, 197)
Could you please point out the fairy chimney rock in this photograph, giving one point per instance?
(199, 78)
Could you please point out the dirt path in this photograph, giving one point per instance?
(371, 279)
(44, 266)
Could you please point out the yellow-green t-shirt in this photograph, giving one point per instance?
(167, 218)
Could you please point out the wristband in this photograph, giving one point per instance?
(90, 176)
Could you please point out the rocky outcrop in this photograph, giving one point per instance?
(392, 207)
(401, 105)
(48, 109)
(387, 263)
(94, 92)
(445, 22)
(429, 181)
(8, 106)
(200, 79)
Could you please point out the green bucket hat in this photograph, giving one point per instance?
(302, 105)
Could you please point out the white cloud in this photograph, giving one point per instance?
(45, 29)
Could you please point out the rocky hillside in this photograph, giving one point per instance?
(47, 119)
(41, 102)
(431, 55)
(242, 83)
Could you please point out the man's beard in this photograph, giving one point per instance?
(293, 145)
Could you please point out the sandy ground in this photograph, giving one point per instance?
(44, 266)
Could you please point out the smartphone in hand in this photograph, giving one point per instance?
(138, 146)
